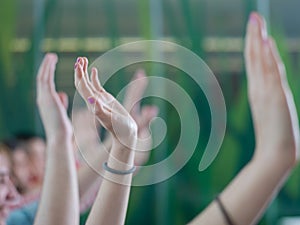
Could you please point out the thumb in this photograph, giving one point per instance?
(64, 99)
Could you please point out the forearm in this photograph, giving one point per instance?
(59, 201)
(95, 154)
(246, 198)
(111, 203)
(89, 178)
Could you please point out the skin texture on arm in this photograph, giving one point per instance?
(111, 203)
(276, 132)
(59, 202)
(95, 152)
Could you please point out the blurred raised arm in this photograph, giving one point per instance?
(276, 132)
(89, 179)
(111, 203)
(59, 202)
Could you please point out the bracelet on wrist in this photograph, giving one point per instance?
(119, 172)
(224, 211)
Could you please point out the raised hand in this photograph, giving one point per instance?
(60, 186)
(114, 191)
(52, 105)
(276, 130)
(272, 105)
(141, 115)
(111, 114)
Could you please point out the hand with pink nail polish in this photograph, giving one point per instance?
(89, 141)
(115, 187)
(111, 114)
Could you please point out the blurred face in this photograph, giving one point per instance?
(29, 165)
(22, 168)
(37, 149)
(8, 193)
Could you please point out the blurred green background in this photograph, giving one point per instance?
(213, 29)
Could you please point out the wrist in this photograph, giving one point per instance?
(121, 158)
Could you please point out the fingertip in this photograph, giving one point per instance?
(85, 63)
(140, 73)
(85, 59)
(78, 70)
(94, 75)
(150, 111)
(94, 70)
(52, 56)
(78, 65)
(77, 62)
(253, 18)
(141, 78)
(80, 61)
(256, 19)
(63, 95)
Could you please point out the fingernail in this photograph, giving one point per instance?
(78, 59)
(91, 100)
(75, 66)
(253, 19)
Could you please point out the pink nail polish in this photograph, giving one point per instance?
(91, 100)
(75, 66)
(78, 59)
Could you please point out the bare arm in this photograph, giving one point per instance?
(95, 152)
(111, 203)
(59, 202)
(276, 129)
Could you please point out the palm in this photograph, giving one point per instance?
(111, 114)
(270, 99)
(52, 106)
